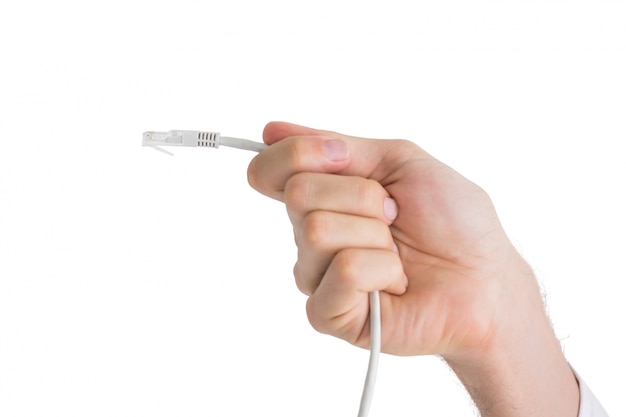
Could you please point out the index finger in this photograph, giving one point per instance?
(269, 171)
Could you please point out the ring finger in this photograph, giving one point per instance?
(323, 233)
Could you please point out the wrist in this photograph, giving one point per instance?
(519, 369)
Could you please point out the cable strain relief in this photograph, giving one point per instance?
(208, 139)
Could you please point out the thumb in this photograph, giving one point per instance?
(368, 158)
(277, 131)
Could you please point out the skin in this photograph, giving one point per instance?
(385, 215)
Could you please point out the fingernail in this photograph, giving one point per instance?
(406, 281)
(335, 149)
(390, 208)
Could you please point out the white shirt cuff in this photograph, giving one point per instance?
(589, 404)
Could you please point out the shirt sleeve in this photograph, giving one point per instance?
(589, 404)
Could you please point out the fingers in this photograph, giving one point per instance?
(307, 192)
(324, 234)
(340, 306)
(269, 171)
(334, 189)
(300, 149)
(330, 213)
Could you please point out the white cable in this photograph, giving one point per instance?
(194, 138)
(242, 144)
(375, 341)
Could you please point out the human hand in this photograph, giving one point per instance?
(459, 263)
(385, 215)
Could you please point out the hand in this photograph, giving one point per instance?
(451, 245)
(385, 215)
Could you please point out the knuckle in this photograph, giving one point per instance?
(297, 192)
(300, 281)
(343, 326)
(347, 266)
(298, 153)
(316, 230)
(405, 146)
(316, 319)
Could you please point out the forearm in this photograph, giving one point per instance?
(520, 370)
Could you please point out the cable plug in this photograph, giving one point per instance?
(196, 139)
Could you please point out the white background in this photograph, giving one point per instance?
(137, 284)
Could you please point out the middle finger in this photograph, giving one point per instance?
(307, 192)
(323, 234)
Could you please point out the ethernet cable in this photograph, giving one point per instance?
(198, 139)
